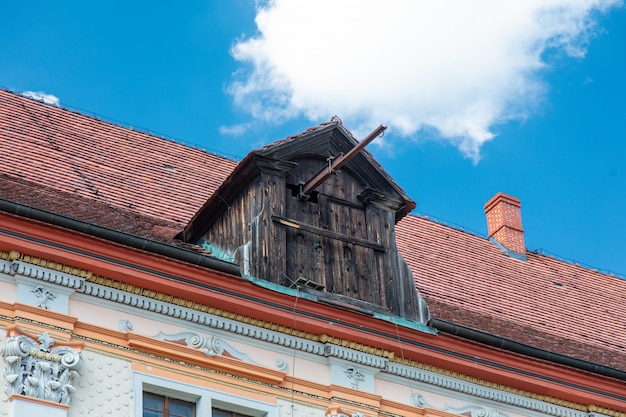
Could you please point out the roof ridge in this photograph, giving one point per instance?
(446, 223)
(547, 254)
(123, 125)
(308, 130)
(538, 251)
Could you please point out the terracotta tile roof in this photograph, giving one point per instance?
(541, 302)
(90, 170)
(117, 166)
(86, 209)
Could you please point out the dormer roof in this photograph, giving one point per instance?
(324, 141)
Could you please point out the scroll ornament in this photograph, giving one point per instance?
(35, 370)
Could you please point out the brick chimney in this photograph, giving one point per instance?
(504, 222)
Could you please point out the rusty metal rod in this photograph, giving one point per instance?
(338, 162)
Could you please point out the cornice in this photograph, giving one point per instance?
(33, 260)
(317, 344)
(488, 390)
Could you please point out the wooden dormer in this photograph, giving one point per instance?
(338, 238)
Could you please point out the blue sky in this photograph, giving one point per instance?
(527, 98)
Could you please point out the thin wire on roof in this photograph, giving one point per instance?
(543, 252)
(539, 251)
(447, 223)
(115, 122)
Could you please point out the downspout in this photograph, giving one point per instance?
(120, 237)
(516, 347)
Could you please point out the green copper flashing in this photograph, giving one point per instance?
(215, 251)
(311, 295)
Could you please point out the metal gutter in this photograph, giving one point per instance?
(516, 347)
(120, 237)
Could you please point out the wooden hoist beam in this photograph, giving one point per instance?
(335, 163)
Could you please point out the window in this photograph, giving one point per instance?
(160, 406)
(161, 397)
(216, 412)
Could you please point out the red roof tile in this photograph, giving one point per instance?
(541, 302)
(117, 166)
(90, 170)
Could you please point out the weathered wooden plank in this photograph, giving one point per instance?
(270, 246)
(304, 251)
(380, 266)
(327, 233)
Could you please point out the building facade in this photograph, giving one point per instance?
(141, 277)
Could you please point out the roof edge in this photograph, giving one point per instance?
(233, 269)
(516, 347)
(115, 236)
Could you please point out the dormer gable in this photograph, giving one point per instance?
(335, 238)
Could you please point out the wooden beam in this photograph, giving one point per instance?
(336, 163)
(294, 224)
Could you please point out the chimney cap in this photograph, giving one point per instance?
(502, 198)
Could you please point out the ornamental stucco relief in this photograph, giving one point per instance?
(36, 370)
(294, 409)
(43, 296)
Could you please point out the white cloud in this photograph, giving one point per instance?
(43, 97)
(234, 130)
(456, 66)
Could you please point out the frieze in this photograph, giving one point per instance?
(41, 286)
(207, 319)
(476, 411)
(43, 274)
(261, 330)
(355, 356)
(317, 348)
(479, 391)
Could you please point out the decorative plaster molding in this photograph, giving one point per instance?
(211, 345)
(46, 274)
(317, 348)
(475, 411)
(43, 295)
(326, 349)
(418, 400)
(345, 373)
(282, 336)
(204, 318)
(125, 326)
(339, 412)
(108, 289)
(480, 391)
(41, 286)
(355, 375)
(36, 370)
(282, 364)
(355, 356)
